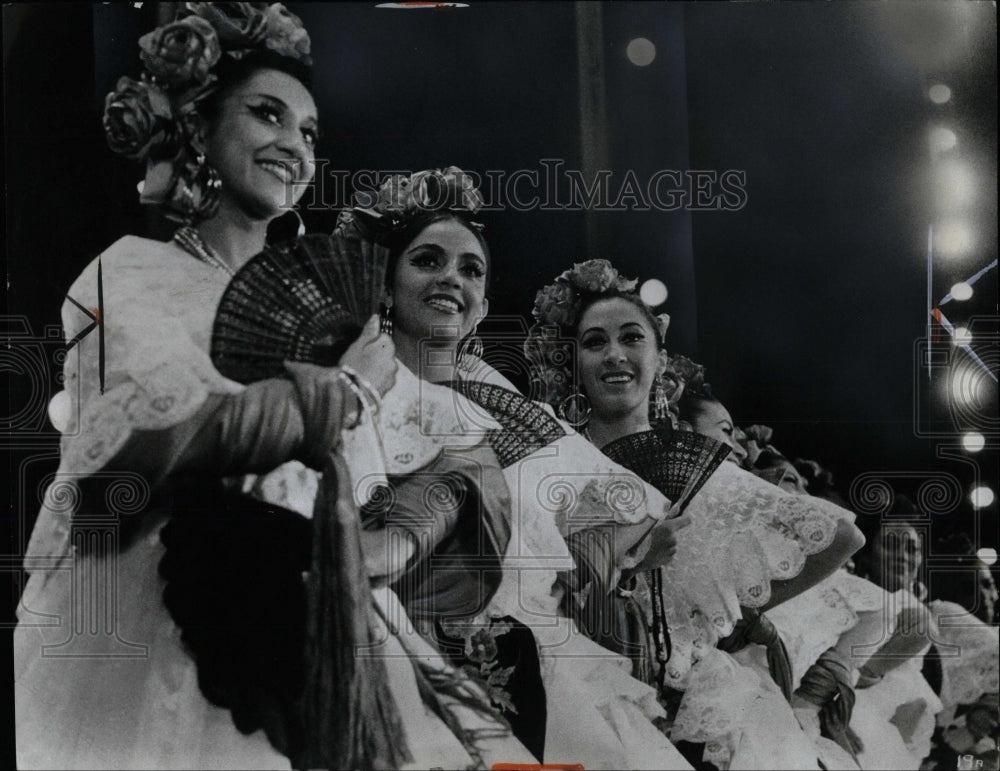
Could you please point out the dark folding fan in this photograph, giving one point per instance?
(307, 300)
(301, 300)
(525, 426)
(677, 463)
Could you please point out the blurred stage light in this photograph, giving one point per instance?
(954, 185)
(962, 336)
(641, 52)
(981, 497)
(987, 555)
(941, 140)
(961, 291)
(939, 93)
(973, 441)
(653, 292)
(952, 238)
(966, 385)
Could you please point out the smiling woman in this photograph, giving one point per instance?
(438, 294)
(595, 340)
(260, 139)
(171, 667)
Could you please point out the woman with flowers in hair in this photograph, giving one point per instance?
(205, 664)
(575, 702)
(597, 350)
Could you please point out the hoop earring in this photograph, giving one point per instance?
(385, 319)
(661, 404)
(575, 409)
(470, 352)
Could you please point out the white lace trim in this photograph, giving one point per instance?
(745, 533)
(741, 716)
(970, 654)
(812, 622)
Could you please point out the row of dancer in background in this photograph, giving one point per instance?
(935, 680)
(847, 652)
(902, 675)
(750, 547)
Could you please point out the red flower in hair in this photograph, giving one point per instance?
(286, 35)
(182, 52)
(137, 116)
(238, 25)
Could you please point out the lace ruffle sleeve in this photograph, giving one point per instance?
(159, 305)
(813, 621)
(745, 533)
(969, 652)
(158, 310)
(559, 484)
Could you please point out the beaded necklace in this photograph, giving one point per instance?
(187, 238)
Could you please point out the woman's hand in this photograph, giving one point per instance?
(915, 630)
(373, 357)
(668, 534)
(327, 407)
(663, 541)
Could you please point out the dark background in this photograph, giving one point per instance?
(808, 305)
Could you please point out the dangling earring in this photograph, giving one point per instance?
(385, 321)
(470, 353)
(575, 409)
(302, 225)
(199, 186)
(661, 404)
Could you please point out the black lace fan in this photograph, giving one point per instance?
(302, 300)
(677, 463)
(526, 427)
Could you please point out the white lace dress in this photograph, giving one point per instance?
(969, 650)
(102, 677)
(745, 533)
(809, 624)
(598, 715)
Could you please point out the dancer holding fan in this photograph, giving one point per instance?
(182, 669)
(598, 352)
(575, 701)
